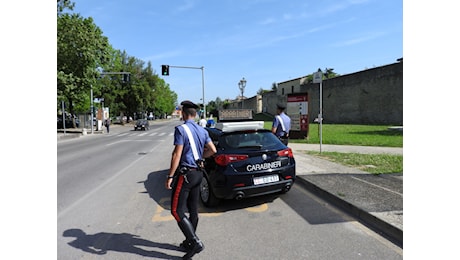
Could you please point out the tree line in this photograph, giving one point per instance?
(86, 62)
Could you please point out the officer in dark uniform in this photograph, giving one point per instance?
(187, 174)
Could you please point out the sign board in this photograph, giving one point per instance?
(297, 109)
(235, 114)
(105, 113)
(317, 77)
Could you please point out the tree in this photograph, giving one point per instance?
(81, 48)
(329, 73)
(83, 53)
(64, 4)
(261, 91)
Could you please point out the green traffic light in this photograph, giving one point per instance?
(165, 70)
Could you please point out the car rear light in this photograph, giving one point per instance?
(225, 159)
(286, 152)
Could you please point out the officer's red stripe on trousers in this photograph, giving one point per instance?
(175, 201)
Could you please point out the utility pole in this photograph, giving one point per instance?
(318, 78)
(92, 109)
(242, 85)
(125, 78)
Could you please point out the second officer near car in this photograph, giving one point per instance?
(191, 144)
(281, 124)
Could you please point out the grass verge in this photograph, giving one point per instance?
(366, 135)
(372, 163)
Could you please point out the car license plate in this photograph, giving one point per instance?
(266, 179)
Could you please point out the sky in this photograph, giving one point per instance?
(264, 41)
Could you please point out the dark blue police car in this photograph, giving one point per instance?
(250, 161)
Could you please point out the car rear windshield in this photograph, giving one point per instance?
(249, 140)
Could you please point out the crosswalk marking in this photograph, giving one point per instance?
(146, 134)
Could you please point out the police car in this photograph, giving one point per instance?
(250, 161)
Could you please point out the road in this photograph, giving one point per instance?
(111, 204)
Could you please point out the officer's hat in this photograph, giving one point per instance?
(281, 106)
(188, 104)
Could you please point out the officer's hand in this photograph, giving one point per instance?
(168, 183)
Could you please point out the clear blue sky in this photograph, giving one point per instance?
(264, 41)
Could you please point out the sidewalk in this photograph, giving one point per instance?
(376, 200)
(78, 132)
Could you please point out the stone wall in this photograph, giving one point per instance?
(254, 103)
(373, 96)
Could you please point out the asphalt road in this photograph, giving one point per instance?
(112, 205)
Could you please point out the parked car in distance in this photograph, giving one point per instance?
(250, 161)
(68, 122)
(142, 124)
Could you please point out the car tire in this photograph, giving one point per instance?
(206, 195)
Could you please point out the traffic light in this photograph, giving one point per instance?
(125, 78)
(165, 70)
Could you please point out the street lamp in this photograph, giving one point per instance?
(242, 85)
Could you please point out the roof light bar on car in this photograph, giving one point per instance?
(240, 126)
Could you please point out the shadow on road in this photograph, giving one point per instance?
(101, 243)
(154, 186)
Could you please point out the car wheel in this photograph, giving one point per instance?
(206, 195)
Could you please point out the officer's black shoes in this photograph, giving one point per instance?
(186, 244)
(197, 246)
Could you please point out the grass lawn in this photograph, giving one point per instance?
(366, 135)
(372, 163)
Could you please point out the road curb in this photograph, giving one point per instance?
(387, 230)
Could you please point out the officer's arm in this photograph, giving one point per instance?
(274, 126)
(209, 150)
(175, 159)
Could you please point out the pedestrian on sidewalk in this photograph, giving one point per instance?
(107, 124)
(191, 144)
(281, 124)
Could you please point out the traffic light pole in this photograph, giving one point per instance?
(202, 81)
(92, 109)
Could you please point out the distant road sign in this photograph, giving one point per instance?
(317, 77)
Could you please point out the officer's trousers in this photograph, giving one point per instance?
(185, 196)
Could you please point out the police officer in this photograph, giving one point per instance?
(187, 172)
(281, 124)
